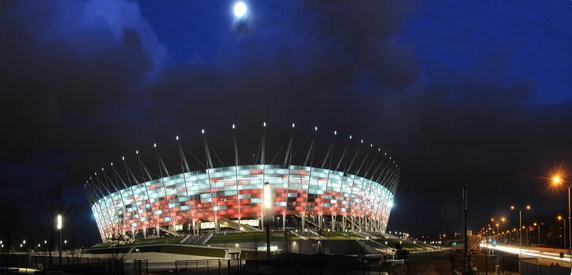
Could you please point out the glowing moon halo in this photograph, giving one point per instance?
(240, 9)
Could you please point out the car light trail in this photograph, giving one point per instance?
(527, 252)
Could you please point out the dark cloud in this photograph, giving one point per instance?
(84, 82)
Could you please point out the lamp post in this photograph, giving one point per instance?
(59, 227)
(557, 180)
(497, 224)
(563, 230)
(537, 224)
(267, 205)
(526, 207)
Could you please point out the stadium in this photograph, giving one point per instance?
(342, 185)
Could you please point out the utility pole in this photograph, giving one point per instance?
(465, 208)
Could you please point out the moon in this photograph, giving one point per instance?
(240, 9)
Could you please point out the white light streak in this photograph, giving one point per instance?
(267, 197)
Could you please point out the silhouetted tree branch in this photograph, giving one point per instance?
(10, 225)
(56, 203)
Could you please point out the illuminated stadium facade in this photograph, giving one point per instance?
(352, 192)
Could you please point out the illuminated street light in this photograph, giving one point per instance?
(267, 204)
(59, 222)
(557, 180)
(60, 227)
(526, 207)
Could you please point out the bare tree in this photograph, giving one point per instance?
(10, 225)
(55, 203)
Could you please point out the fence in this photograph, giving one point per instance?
(220, 266)
(532, 268)
(76, 264)
(290, 266)
(508, 263)
(282, 264)
(327, 267)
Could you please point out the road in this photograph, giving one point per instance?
(545, 256)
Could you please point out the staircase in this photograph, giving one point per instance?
(238, 226)
(308, 221)
(363, 235)
(204, 238)
(170, 232)
(309, 234)
(198, 239)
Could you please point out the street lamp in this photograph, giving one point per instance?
(557, 180)
(497, 224)
(526, 207)
(563, 230)
(59, 227)
(537, 224)
(267, 205)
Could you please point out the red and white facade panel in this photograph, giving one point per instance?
(236, 192)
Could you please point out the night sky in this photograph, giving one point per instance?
(472, 93)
